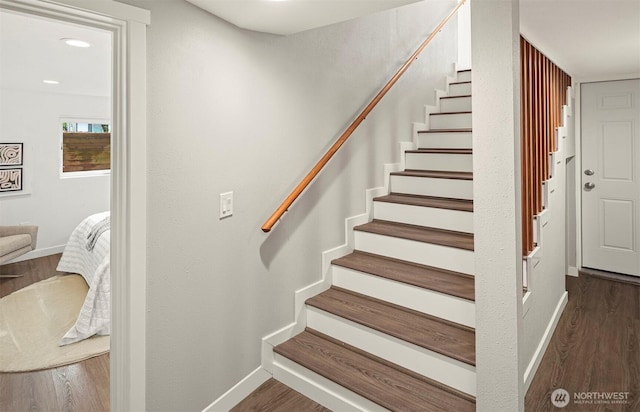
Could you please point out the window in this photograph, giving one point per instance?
(86, 147)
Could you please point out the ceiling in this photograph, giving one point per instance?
(589, 39)
(31, 51)
(292, 16)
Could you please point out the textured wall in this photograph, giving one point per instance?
(497, 228)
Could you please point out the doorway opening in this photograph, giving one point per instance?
(610, 176)
(127, 27)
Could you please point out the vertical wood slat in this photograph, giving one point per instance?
(524, 154)
(546, 120)
(543, 94)
(529, 174)
(538, 133)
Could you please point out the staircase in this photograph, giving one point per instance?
(395, 331)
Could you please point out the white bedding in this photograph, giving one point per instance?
(94, 266)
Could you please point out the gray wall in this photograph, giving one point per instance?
(233, 110)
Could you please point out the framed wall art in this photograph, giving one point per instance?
(11, 180)
(11, 154)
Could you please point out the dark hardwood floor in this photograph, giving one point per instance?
(80, 387)
(595, 350)
(273, 396)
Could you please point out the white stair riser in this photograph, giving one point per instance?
(457, 104)
(427, 186)
(464, 76)
(444, 257)
(459, 89)
(448, 162)
(457, 220)
(320, 389)
(433, 365)
(445, 140)
(450, 121)
(427, 301)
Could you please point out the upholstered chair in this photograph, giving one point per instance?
(16, 241)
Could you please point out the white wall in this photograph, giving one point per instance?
(464, 36)
(55, 204)
(233, 110)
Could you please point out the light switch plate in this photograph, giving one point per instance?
(226, 204)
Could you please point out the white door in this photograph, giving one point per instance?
(611, 176)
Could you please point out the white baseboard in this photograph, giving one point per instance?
(404, 146)
(240, 391)
(48, 251)
(301, 295)
(573, 271)
(388, 169)
(544, 342)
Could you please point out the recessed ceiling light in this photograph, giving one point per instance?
(76, 43)
(51, 82)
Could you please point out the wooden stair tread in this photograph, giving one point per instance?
(464, 205)
(435, 174)
(466, 130)
(448, 113)
(429, 332)
(423, 276)
(442, 150)
(455, 97)
(425, 234)
(375, 379)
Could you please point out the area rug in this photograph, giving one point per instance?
(34, 319)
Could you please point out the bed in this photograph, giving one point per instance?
(87, 254)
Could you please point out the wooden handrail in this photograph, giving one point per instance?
(268, 225)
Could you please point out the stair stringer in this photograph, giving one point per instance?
(548, 186)
(314, 386)
(431, 108)
(307, 292)
(404, 146)
(428, 110)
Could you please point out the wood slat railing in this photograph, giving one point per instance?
(543, 93)
(277, 214)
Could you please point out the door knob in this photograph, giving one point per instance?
(589, 172)
(589, 185)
